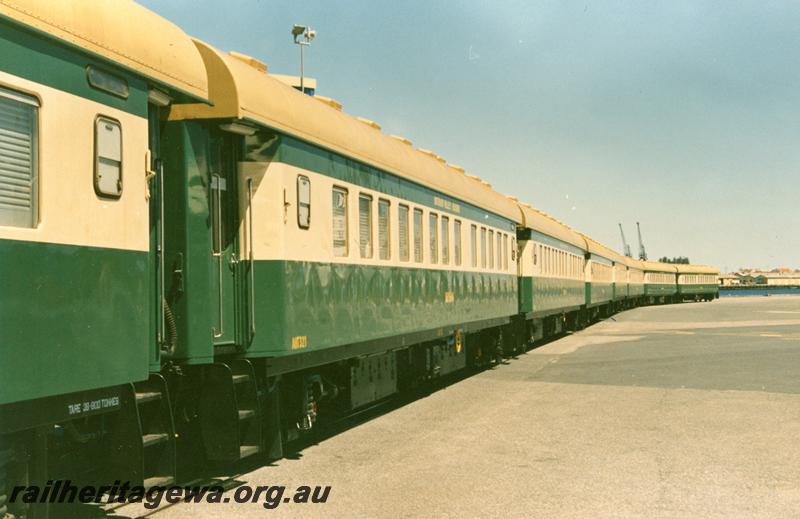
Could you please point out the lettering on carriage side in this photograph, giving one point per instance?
(92, 405)
(299, 342)
(449, 297)
(446, 204)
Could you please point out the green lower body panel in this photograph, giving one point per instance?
(635, 289)
(599, 293)
(546, 294)
(620, 291)
(659, 289)
(698, 289)
(72, 318)
(305, 306)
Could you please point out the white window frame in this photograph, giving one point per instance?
(300, 203)
(339, 251)
(16, 217)
(104, 119)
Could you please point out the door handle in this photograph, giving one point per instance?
(218, 331)
(252, 276)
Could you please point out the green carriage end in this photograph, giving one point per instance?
(76, 310)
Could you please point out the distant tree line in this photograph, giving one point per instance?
(682, 260)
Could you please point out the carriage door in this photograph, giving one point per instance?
(155, 184)
(224, 236)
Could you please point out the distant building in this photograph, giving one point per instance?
(785, 277)
(727, 280)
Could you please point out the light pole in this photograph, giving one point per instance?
(302, 36)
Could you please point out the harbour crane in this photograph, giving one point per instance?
(642, 252)
(625, 247)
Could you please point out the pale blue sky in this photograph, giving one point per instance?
(683, 115)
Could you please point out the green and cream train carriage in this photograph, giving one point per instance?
(328, 241)
(551, 272)
(79, 91)
(599, 278)
(635, 281)
(621, 280)
(659, 282)
(183, 236)
(698, 282)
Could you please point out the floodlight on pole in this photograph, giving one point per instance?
(303, 35)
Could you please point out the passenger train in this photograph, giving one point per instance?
(200, 263)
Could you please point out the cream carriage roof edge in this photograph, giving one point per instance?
(595, 247)
(112, 29)
(240, 91)
(657, 266)
(538, 221)
(634, 263)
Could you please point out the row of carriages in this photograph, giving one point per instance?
(596, 281)
(202, 263)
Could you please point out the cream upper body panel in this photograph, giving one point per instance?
(122, 31)
(70, 212)
(240, 91)
(269, 197)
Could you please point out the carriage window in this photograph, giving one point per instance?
(457, 242)
(339, 222)
(505, 251)
(107, 82)
(433, 229)
(445, 240)
(491, 249)
(418, 235)
(108, 157)
(402, 221)
(545, 260)
(473, 244)
(303, 201)
(500, 251)
(18, 159)
(365, 225)
(384, 250)
(483, 247)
